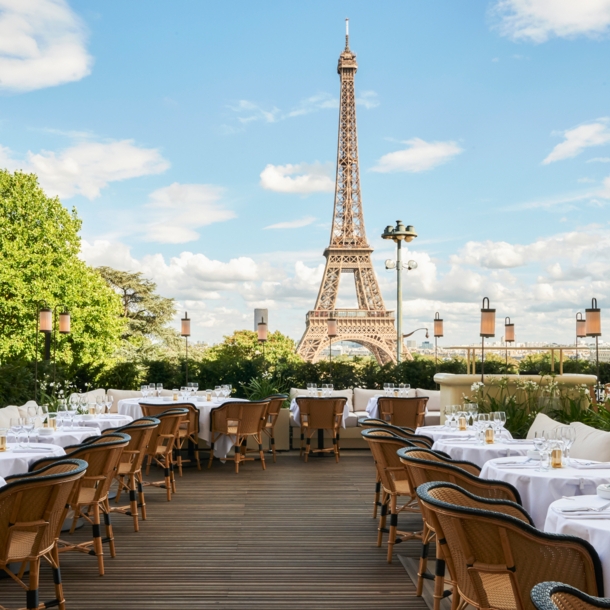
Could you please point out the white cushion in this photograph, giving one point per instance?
(351, 421)
(543, 422)
(590, 443)
(120, 395)
(434, 399)
(6, 414)
(432, 419)
(23, 410)
(349, 394)
(362, 397)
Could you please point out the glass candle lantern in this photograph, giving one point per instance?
(489, 436)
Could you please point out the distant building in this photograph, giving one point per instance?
(427, 345)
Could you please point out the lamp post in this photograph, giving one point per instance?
(185, 331)
(331, 329)
(581, 330)
(438, 332)
(398, 234)
(261, 329)
(593, 318)
(488, 329)
(509, 336)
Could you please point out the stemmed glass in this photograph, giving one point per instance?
(217, 392)
(62, 413)
(28, 426)
(159, 389)
(17, 427)
(541, 443)
(568, 435)
(448, 415)
(387, 388)
(311, 388)
(144, 391)
(482, 423)
(108, 403)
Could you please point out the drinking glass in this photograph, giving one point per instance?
(568, 435)
(159, 389)
(330, 389)
(28, 426)
(482, 422)
(62, 413)
(407, 389)
(17, 427)
(143, 390)
(217, 391)
(401, 389)
(43, 414)
(183, 392)
(195, 387)
(310, 389)
(448, 415)
(74, 400)
(541, 445)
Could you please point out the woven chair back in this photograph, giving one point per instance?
(142, 421)
(426, 467)
(371, 422)
(417, 439)
(275, 404)
(321, 413)
(33, 507)
(559, 596)
(409, 412)
(191, 422)
(163, 437)
(140, 431)
(496, 557)
(384, 446)
(241, 418)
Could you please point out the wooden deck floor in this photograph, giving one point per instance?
(298, 536)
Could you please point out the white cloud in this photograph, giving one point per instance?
(42, 44)
(599, 160)
(419, 156)
(87, 167)
(320, 101)
(293, 224)
(368, 99)
(298, 178)
(539, 20)
(579, 138)
(179, 209)
(255, 112)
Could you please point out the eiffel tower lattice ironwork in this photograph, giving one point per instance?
(371, 325)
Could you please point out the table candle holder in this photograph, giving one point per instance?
(175, 395)
(463, 424)
(556, 457)
(489, 436)
(3, 433)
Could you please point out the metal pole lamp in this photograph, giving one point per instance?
(398, 234)
(509, 336)
(594, 328)
(488, 329)
(438, 332)
(262, 335)
(581, 329)
(64, 329)
(331, 328)
(44, 324)
(185, 331)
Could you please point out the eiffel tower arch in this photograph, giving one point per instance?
(371, 324)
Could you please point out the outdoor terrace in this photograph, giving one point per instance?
(298, 535)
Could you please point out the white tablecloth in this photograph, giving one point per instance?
(540, 489)
(595, 529)
(131, 407)
(62, 437)
(470, 451)
(437, 433)
(17, 461)
(296, 412)
(103, 422)
(2, 482)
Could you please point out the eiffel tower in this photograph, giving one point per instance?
(371, 325)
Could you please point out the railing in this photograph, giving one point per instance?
(350, 313)
(471, 352)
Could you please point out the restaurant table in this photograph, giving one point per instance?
(372, 406)
(471, 451)
(539, 489)
(436, 433)
(590, 526)
(131, 407)
(104, 421)
(17, 460)
(61, 437)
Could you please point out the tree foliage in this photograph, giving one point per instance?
(39, 263)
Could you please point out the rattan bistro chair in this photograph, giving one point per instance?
(409, 412)
(240, 420)
(129, 473)
(161, 446)
(496, 556)
(273, 411)
(320, 414)
(33, 507)
(426, 466)
(90, 497)
(395, 484)
(559, 596)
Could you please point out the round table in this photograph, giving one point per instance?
(471, 451)
(594, 528)
(538, 489)
(63, 437)
(17, 460)
(440, 432)
(104, 421)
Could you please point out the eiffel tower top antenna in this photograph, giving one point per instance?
(347, 34)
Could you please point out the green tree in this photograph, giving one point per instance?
(39, 263)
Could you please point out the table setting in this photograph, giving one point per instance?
(390, 390)
(469, 427)
(316, 391)
(16, 459)
(212, 399)
(468, 449)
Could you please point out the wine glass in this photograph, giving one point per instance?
(568, 435)
(386, 389)
(482, 423)
(62, 412)
(159, 389)
(217, 392)
(144, 390)
(17, 427)
(311, 388)
(28, 426)
(541, 445)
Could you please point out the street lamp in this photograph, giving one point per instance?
(594, 328)
(488, 329)
(581, 329)
(262, 335)
(438, 332)
(509, 336)
(331, 329)
(398, 234)
(185, 331)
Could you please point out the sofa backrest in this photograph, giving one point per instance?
(349, 394)
(120, 395)
(543, 422)
(6, 414)
(434, 399)
(590, 443)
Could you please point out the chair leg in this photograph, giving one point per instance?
(119, 491)
(172, 475)
(59, 589)
(377, 494)
(196, 443)
(150, 458)
(97, 538)
(302, 441)
(109, 531)
(423, 560)
(307, 448)
(168, 483)
(133, 501)
(261, 453)
(273, 443)
(335, 446)
(141, 498)
(237, 454)
(393, 526)
(179, 460)
(211, 455)
(439, 580)
(338, 444)
(382, 518)
(32, 590)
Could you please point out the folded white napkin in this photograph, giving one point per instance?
(112, 416)
(590, 465)
(517, 441)
(31, 450)
(511, 465)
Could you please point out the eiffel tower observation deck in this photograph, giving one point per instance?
(371, 324)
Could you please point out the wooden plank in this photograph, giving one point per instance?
(294, 536)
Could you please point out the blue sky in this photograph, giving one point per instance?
(181, 131)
